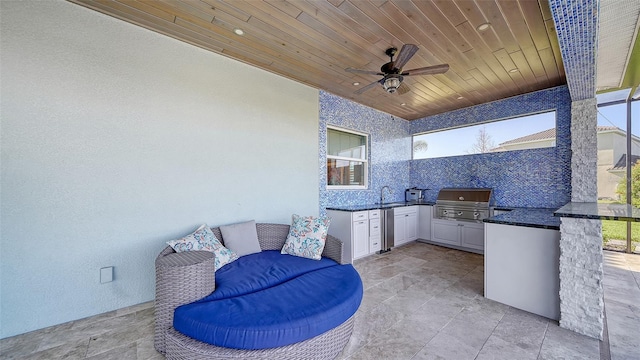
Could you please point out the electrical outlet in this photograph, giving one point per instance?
(106, 274)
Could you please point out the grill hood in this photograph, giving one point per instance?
(480, 196)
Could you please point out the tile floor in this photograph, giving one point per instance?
(622, 304)
(421, 302)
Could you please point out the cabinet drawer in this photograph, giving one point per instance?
(374, 214)
(374, 227)
(360, 215)
(375, 244)
(403, 210)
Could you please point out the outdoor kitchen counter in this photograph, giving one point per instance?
(530, 217)
(379, 206)
(598, 211)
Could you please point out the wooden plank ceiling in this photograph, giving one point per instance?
(314, 41)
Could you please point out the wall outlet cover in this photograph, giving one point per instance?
(106, 274)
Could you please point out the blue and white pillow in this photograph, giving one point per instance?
(204, 239)
(307, 236)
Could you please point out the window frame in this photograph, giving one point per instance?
(365, 160)
(628, 102)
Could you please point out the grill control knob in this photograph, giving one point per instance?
(459, 213)
(476, 214)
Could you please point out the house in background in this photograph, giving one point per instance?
(612, 154)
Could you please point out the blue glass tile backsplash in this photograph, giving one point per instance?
(389, 150)
(526, 178)
(577, 28)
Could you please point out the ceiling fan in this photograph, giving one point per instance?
(392, 74)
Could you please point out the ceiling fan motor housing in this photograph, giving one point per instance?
(391, 83)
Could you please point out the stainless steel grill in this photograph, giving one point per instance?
(468, 204)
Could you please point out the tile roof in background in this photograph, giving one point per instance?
(550, 134)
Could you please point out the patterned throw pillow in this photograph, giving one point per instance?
(204, 239)
(307, 236)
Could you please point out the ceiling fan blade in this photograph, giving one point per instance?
(436, 69)
(406, 53)
(370, 86)
(359, 71)
(403, 89)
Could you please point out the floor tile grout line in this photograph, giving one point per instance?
(544, 336)
(492, 331)
(86, 351)
(629, 269)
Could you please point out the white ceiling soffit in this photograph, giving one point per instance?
(619, 20)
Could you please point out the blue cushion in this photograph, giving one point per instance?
(299, 309)
(260, 271)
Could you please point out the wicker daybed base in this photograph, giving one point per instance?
(172, 291)
(324, 346)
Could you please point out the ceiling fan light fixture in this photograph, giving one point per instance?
(483, 26)
(391, 84)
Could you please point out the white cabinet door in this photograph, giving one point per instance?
(360, 238)
(472, 235)
(411, 224)
(399, 230)
(424, 221)
(445, 231)
(405, 224)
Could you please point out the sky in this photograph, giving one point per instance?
(616, 115)
(460, 141)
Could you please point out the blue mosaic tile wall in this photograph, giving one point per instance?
(525, 178)
(577, 24)
(389, 150)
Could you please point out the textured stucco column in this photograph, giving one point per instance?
(581, 291)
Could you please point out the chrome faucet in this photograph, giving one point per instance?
(382, 193)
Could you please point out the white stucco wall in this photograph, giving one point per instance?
(115, 139)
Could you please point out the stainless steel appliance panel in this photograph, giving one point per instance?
(414, 194)
(463, 204)
(387, 221)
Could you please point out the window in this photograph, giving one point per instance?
(614, 160)
(525, 132)
(346, 159)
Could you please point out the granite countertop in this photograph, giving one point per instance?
(364, 207)
(530, 217)
(599, 211)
